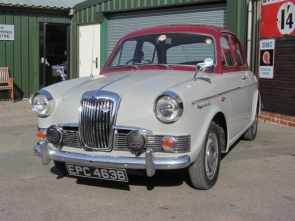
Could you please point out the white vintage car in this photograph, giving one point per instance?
(168, 97)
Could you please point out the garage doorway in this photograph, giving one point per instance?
(54, 50)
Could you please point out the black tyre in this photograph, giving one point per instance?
(251, 133)
(61, 167)
(204, 171)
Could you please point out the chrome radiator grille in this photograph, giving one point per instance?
(95, 127)
(183, 143)
(71, 138)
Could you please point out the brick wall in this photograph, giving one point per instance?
(275, 118)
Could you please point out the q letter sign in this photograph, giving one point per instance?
(267, 47)
(277, 18)
(6, 32)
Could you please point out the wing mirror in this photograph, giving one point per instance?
(58, 71)
(207, 67)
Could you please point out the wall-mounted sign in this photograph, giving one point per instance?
(277, 18)
(6, 32)
(267, 52)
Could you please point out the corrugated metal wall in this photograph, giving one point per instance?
(22, 55)
(121, 24)
(125, 5)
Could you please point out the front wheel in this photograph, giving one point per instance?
(204, 171)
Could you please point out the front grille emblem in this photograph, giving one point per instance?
(105, 109)
(93, 99)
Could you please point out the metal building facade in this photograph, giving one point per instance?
(103, 11)
(22, 54)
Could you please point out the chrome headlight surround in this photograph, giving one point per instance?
(42, 103)
(168, 107)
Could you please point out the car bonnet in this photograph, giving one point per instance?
(139, 86)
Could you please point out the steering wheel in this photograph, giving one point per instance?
(141, 59)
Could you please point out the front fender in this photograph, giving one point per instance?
(201, 121)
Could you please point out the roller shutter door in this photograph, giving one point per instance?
(121, 24)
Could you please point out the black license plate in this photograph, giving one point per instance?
(97, 173)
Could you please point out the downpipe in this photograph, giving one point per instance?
(249, 39)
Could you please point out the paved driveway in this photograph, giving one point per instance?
(256, 182)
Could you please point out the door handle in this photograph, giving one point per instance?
(96, 62)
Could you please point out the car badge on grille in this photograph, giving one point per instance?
(105, 109)
(93, 99)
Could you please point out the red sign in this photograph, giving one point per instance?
(277, 18)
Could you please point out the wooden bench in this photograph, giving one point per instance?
(6, 83)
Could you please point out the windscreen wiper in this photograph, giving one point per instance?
(162, 65)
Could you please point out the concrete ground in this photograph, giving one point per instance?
(256, 182)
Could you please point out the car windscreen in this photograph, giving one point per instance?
(164, 48)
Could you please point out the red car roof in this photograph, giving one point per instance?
(176, 28)
(188, 28)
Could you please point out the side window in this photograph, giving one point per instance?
(125, 53)
(226, 53)
(238, 54)
(149, 52)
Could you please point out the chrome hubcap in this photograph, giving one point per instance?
(211, 157)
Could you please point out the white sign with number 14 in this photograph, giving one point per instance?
(286, 18)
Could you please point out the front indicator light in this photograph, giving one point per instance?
(41, 135)
(168, 143)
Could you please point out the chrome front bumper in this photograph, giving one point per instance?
(149, 162)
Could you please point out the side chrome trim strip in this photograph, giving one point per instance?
(216, 95)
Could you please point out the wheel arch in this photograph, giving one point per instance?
(256, 104)
(220, 120)
(216, 114)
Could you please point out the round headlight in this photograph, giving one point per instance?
(42, 103)
(169, 107)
